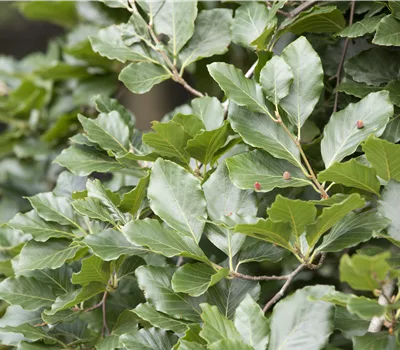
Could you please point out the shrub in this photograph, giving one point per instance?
(266, 221)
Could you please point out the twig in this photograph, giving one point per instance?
(378, 321)
(342, 58)
(282, 291)
(259, 278)
(105, 327)
(180, 261)
(304, 6)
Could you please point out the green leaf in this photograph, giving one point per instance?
(258, 130)
(352, 174)
(192, 124)
(249, 23)
(150, 234)
(212, 36)
(357, 89)
(365, 308)
(27, 292)
(111, 244)
(83, 160)
(92, 208)
(217, 327)
(229, 344)
(61, 13)
(255, 251)
(33, 224)
(148, 339)
(132, 200)
(209, 110)
(360, 28)
(30, 333)
(169, 140)
(296, 212)
(252, 324)
(331, 215)
(93, 269)
(109, 131)
(239, 89)
(257, 166)
(341, 135)
(276, 78)
(363, 272)
(387, 206)
(205, 144)
(384, 157)
(195, 279)
(176, 196)
(106, 105)
(51, 254)
(387, 32)
(363, 68)
(177, 21)
(371, 341)
(141, 77)
(307, 83)
(350, 325)
(352, 230)
(156, 283)
(267, 230)
(157, 319)
(297, 322)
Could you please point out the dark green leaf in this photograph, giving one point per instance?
(387, 32)
(360, 28)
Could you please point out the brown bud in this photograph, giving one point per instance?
(360, 124)
(286, 175)
(257, 186)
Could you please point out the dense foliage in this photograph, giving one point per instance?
(264, 218)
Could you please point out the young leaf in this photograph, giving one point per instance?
(257, 166)
(192, 124)
(341, 134)
(132, 200)
(93, 269)
(176, 197)
(365, 308)
(387, 206)
(307, 80)
(195, 279)
(260, 131)
(211, 36)
(252, 324)
(387, 32)
(92, 208)
(298, 322)
(209, 110)
(352, 174)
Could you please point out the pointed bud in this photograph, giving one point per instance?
(360, 124)
(286, 175)
(257, 186)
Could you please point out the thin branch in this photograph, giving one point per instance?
(342, 58)
(304, 6)
(105, 327)
(180, 261)
(378, 321)
(259, 278)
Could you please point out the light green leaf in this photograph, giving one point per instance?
(212, 36)
(51, 254)
(307, 83)
(132, 200)
(363, 272)
(195, 279)
(109, 131)
(176, 196)
(157, 319)
(258, 130)
(341, 135)
(387, 32)
(229, 344)
(217, 327)
(92, 208)
(156, 283)
(177, 21)
(360, 28)
(352, 230)
(331, 215)
(276, 77)
(169, 140)
(252, 324)
(371, 341)
(352, 174)
(83, 160)
(365, 308)
(33, 224)
(357, 89)
(384, 156)
(297, 322)
(30, 333)
(141, 77)
(191, 123)
(205, 144)
(257, 166)
(388, 207)
(27, 292)
(148, 339)
(296, 212)
(111, 244)
(150, 234)
(93, 269)
(267, 230)
(239, 89)
(249, 23)
(209, 110)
